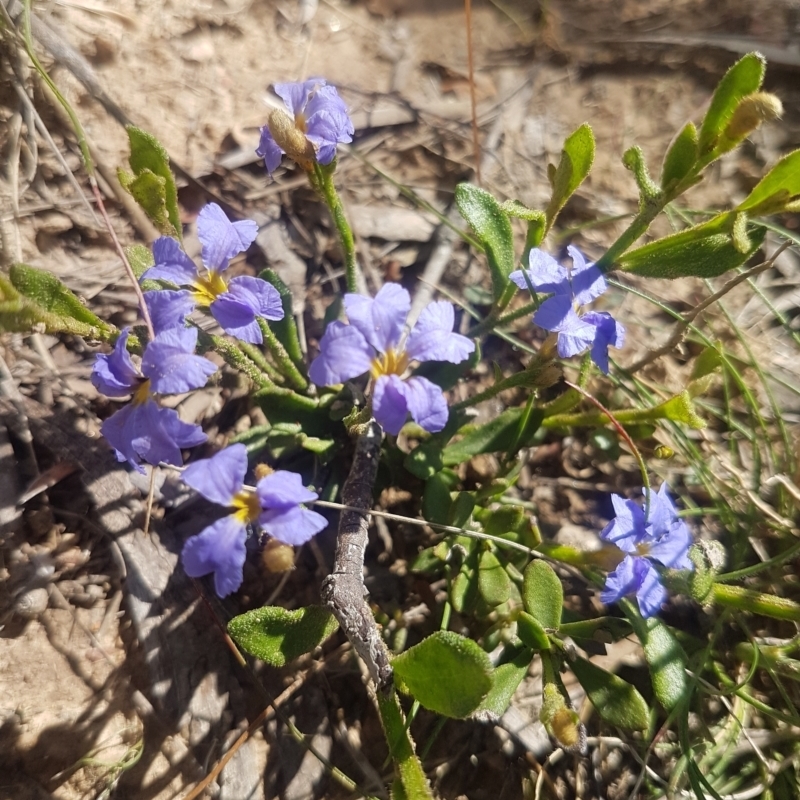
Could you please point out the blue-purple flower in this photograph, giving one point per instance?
(275, 505)
(142, 430)
(318, 122)
(373, 342)
(236, 303)
(577, 330)
(662, 537)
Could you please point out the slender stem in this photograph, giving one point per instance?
(257, 357)
(322, 179)
(528, 377)
(756, 602)
(491, 322)
(285, 364)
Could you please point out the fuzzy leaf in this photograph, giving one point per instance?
(577, 157)
(543, 594)
(152, 184)
(505, 680)
(493, 581)
(615, 700)
(531, 632)
(446, 673)
(681, 156)
(278, 636)
(743, 78)
(494, 436)
(777, 188)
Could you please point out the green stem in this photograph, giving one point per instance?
(286, 328)
(401, 748)
(493, 321)
(322, 180)
(235, 357)
(257, 357)
(528, 378)
(628, 416)
(285, 364)
(756, 602)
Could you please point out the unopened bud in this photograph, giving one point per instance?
(262, 470)
(277, 556)
(752, 111)
(560, 721)
(290, 139)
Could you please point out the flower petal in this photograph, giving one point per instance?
(296, 95)
(282, 489)
(293, 525)
(184, 434)
(662, 512)
(269, 150)
(220, 549)
(344, 354)
(115, 374)
(622, 581)
(432, 338)
(171, 365)
(236, 317)
(627, 528)
(168, 308)
(260, 295)
(607, 332)
(389, 404)
(553, 312)
(115, 430)
(672, 548)
(171, 263)
(651, 593)
(220, 477)
(380, 320)
(426, 404)
(587, 280)
(222, 239)
(546, 274)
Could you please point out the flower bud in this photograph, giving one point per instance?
(277, 556)
(262, 470)
(752, 111)
(291, 139)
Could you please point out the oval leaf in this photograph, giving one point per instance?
(505, 680)
(577, 157)
(531, 632)
(616, 701)
(278, 636)
(542, 593)
(493, 581)
(743, 78)
(779, 185)
(446, 673)
(493, 228)
(681, 156)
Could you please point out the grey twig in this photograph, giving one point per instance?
(343, 591)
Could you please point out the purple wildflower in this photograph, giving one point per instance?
(318, 115)
(275, 505)
(234, 303)
(663, 537)
(373, 342)
(560, 313)
(142, 430)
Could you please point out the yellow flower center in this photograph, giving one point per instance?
(208, 287)
(391, 363)
(141, 393)
(643, 549)
(247, 506)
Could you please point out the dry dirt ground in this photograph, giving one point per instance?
(114, 678)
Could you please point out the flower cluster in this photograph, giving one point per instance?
(562, 314)
(275, 505)
(318, 122)
(142, 430)
(661, 536)
(236, 303)
(373, 342)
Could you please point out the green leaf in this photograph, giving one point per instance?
(493, 229)
(615, 700)
(743, 78)
(633, 159)
(577, 157)
(681, 409)
(704, 251)
(497, 435)
(285, 329)
(599, 629)
(425, 460)
(531, 632)
(152, 184)
(543, 594)
(33, 299)
(681, 157)
(664, 656)
(140, 258)
(278, 636)
(494, 584)
(778, 187)
(446, 673)
(461, 509)
(505, 680)
(436, 499)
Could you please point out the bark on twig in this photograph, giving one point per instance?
(343, 591)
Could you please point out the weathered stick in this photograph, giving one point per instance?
(343, 591)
